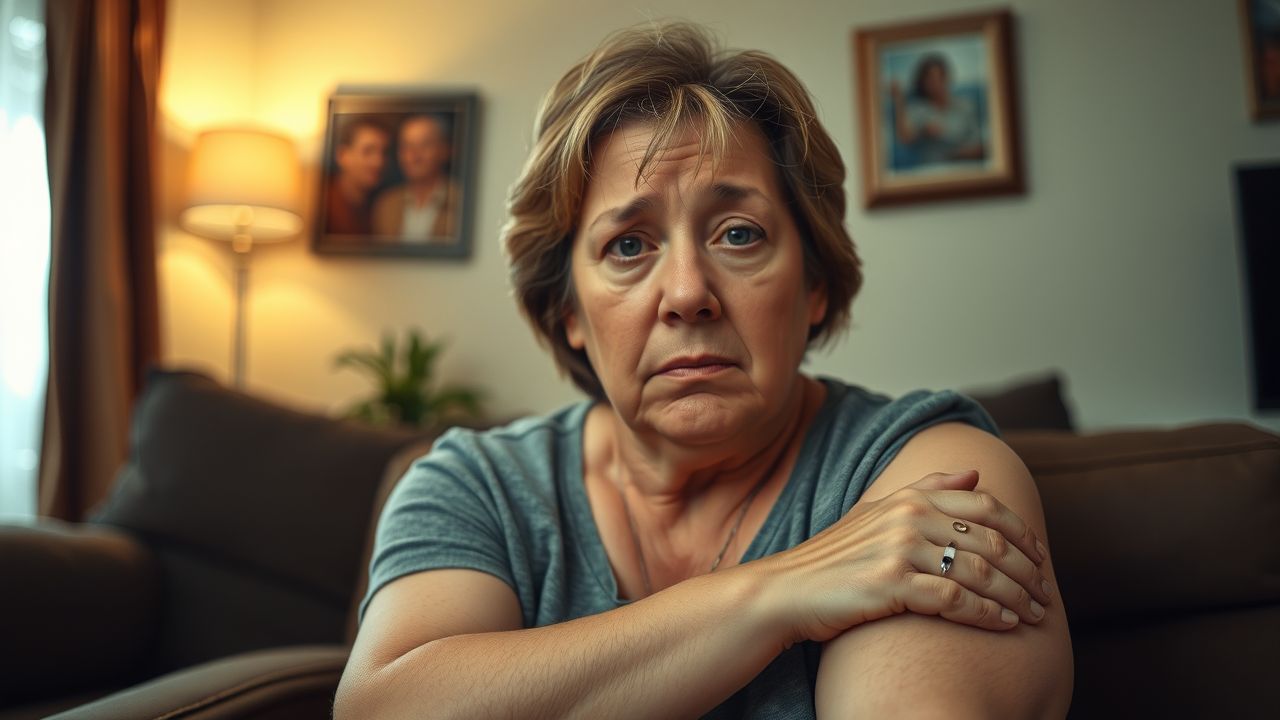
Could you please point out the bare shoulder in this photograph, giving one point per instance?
(954, 447)
(885, 666)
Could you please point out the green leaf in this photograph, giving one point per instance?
(403, 389)
(367, 362)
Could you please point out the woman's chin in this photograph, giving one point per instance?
(703, 419)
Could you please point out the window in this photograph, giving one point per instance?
(24, 253)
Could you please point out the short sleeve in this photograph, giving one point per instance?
(890, 427)
(441, 514)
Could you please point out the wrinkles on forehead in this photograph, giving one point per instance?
(622, 189)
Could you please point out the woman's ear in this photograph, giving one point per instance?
(817, 304)
(572, 330)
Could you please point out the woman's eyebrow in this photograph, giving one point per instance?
(732, 192)
(623, 213)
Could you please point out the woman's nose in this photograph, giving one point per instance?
(687, 291)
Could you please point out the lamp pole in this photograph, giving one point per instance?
(241, 246)
(242, 284)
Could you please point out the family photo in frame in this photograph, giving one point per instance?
(397, 175)
(938, 110)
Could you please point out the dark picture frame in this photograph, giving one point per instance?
(397, 174)
(937, 105)
(1260, 31)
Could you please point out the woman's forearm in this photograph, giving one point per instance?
(906, 133)
(678, 653)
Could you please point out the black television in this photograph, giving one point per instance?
(1258, 195)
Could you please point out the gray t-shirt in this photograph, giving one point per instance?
(512, 502)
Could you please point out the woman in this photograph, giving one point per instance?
(713, 533)
(937, 124)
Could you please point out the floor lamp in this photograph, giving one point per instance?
(243, 187)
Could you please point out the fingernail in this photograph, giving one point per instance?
(1008, 616)
(1044, 585)
(1037, 609)
(1044, 552)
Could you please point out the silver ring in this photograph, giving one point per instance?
(960, 527)
(948, 557)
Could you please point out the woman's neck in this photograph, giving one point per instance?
(685, 501)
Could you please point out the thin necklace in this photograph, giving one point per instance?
(733, 532)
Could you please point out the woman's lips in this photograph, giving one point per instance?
(694, 368)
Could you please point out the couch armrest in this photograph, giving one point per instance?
(291, 682)
(78, 608)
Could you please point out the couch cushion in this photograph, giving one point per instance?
(1034, 404)
(228, 481)
(1150, 521)
(1206, 664)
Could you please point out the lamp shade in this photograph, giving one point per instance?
(243, 182)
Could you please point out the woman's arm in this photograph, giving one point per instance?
(919, 666)
(447, 642)
(902, 126)
(444, 644)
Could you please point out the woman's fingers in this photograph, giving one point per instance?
(975, 574)
(984, 509)
(995, 549)
(964, 480)
(935, 595)
(893, 547)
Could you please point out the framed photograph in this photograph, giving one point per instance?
(937, 107)
(397, 175)
(1260, 25)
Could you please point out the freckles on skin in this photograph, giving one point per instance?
(683, 290)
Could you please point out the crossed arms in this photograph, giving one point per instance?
(449, 643)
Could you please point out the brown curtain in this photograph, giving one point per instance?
(100, 112)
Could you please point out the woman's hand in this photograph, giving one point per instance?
(884, 557)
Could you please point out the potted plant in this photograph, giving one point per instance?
(406, 392)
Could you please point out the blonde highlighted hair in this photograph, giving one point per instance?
(670, 75)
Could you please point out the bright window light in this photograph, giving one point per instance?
(24, 254)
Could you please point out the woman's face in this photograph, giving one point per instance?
(691, 296)
(935, 83)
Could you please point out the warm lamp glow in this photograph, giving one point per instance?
(243, 186)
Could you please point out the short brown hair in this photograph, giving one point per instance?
(351, 125)
(670, 74)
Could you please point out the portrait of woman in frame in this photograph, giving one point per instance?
(937, 108)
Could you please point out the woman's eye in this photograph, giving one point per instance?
(742, 235)
(627, 247)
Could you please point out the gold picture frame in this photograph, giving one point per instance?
(938, 111)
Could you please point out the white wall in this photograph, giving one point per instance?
(1119, 267)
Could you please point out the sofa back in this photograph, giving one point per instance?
(257, 514)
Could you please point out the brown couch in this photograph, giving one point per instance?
(221, 579)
